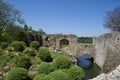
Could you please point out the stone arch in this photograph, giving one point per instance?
(64, 42)
(85, 60)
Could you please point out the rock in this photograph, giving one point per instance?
(114, 75)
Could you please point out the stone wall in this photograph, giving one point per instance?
(85, 48)
(107, 51)
(113, 75)
(53, 42)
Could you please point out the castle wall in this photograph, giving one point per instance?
(107, 51)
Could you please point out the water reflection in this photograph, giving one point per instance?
(90, 68)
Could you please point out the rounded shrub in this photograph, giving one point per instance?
(44, 55)
(18, 46)
(4, 45)
(45, 68)
(63, 62)
(30, 52)
(75, 73)
(58, 75)
(42, 77)
(10, 49)
(34, 44)
(47, 77)
(18, 74)
(24, 62)
(39, 77)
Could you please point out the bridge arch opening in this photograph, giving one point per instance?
(86, 62)
(64, 43)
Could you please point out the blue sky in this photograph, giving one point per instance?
(79, 17)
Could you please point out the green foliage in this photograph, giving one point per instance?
(24, 62)
(63, 62)
(8, 15)
(39, 77)
(47, 77)
(44, 55)
(18, 74)
(84, 40)
(45, 68)
(75, 73)
(18, 46)
(34, 44)
(10, 49)
(58, 75)
(43, 77)
(30, 52)
(40, 31)
(4, 45)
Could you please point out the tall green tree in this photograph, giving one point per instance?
(112, 19)
(9, 15)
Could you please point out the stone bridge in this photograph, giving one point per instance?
(105, 49)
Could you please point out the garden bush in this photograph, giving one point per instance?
(76, 73)
(30, 52)
(45, 68)
(44, 55)
(24, 62)
(4, 45)
(18, 46)
(58, 75)
(18, 74)
(47, 77)
(39, 77)
(34, 44)
(10, 49)
(42, 77)
(63, 62)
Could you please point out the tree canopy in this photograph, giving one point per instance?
(9, 15)
(112, 19)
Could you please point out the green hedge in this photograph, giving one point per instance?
(45, 68)
(24, 62)
(76, 73)
(63, 62)
(44, 55)
(34, 44)
(4, 45)
(43, 77)
(18, 46)
(58, 75)
(30, 52)
(17, 74)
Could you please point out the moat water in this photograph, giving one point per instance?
(90, 68)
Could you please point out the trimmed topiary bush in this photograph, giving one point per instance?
(58, 75)
(39, 77)
(4, 45)
(75, 73)
(44, 55)
(34, 44)
(43, 77)
(24, 62)
(45, 68)
(18, 46)
(47, 77)
(30, 52)
(63, 62)
(18, 74)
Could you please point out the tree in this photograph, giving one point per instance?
(112, 19)
(8, 15)
(26, 28)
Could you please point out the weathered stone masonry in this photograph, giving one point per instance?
(105, 48)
